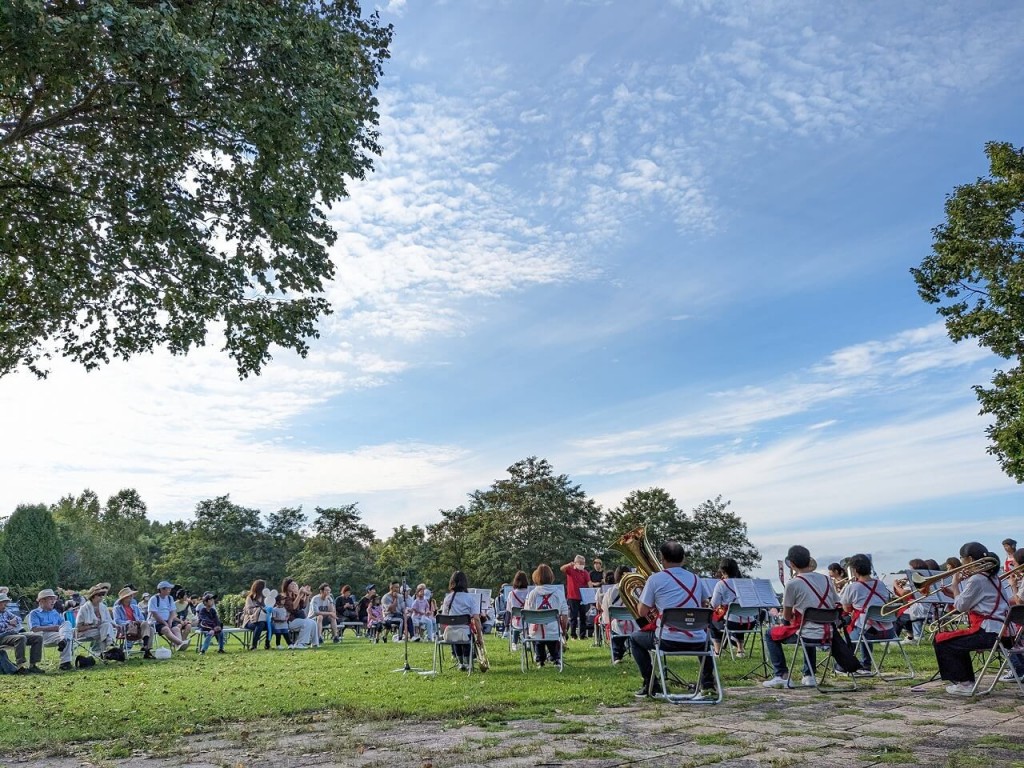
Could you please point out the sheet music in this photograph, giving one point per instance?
(588, 595)
(485, 598)
(755, 593)
(709, 585)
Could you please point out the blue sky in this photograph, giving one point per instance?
(657, 243)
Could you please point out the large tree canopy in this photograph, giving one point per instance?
(166, 165)
(976, 274)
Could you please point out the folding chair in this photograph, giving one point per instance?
(686, 620)
(617, 613)
(738, 614)
(828, 620)
(527, 641)
(458, 620)
(1013, 633)
(874, 613)
(517, 613)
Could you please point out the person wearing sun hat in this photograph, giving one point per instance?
(13, 636)
(94, 619)
(47, 622)
(129, 618)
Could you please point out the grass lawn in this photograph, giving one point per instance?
(190, 692)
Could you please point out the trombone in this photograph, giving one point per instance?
(1013, 573)
(925, 584)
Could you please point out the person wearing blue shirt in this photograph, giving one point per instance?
(12, 635)
(47, 622)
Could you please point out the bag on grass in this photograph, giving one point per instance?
(114, 654)
(7, 667)
(842, 651)
(84, 662)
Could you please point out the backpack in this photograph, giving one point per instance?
(7, 667)
(84, 662)
(114, 654)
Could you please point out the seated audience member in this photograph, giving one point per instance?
(254, 615)
(164, 617)
(375, 620)
(321, 610)
(12, 635)
(618, 629)
(362, 607)
(279, 623)
(47, 622)
(144, 605)
(806, 589)
(183, 604)
(296, 601)
(128, 617)
(422, 617)
(345, 609)
(859, 595)
(542, 597)
(95, 621)
(209, 623)
(459, 601)
(396, 609)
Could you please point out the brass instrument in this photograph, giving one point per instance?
(478, 640)
(1014, 573)
(637, 549)
(925, 584)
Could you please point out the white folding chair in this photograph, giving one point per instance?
(874, 613)
(827, 620)
(740, 615)
(528, 642)
(617, 613)
(686, 620)
(1009, 643)
(443, 622)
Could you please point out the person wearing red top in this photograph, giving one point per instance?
(576, 576)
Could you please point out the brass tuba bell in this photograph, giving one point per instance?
(638, 551)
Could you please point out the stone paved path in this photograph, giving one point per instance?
(752, 727)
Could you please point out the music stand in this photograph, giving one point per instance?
(757, 593)
(406, 669)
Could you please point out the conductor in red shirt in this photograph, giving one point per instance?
(576, 576)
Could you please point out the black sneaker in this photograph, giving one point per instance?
(62, 645)
(148, 655)
(34, 670)
(66, 666)
(643, 694)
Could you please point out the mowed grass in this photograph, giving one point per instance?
(190, 693)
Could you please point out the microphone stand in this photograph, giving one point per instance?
(406, 669)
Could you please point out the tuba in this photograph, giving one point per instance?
(634, 545)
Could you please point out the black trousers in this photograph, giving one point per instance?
(642, 643)
(954, 655)
(577, 619)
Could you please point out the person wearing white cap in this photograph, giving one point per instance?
(47, 622)
(13, 636)
(95, 621)
(164, 616)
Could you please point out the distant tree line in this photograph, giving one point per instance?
(529, 517)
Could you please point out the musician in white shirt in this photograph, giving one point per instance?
(673, 587)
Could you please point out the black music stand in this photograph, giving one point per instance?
(406, 669)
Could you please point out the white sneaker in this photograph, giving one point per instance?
(515, 647)
(960, 689)
(807, 681)
(776, 682)
(1008, 677)
(299, 646)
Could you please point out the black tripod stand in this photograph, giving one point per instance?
(405, 630)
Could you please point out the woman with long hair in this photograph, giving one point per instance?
(296, 602)
(254, 618)
(460, 602)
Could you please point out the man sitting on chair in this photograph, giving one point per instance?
(47, 622)
(806, 589)
(859, 595)
(12, 635)
(674, 587)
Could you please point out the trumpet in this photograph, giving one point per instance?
(925, 584)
